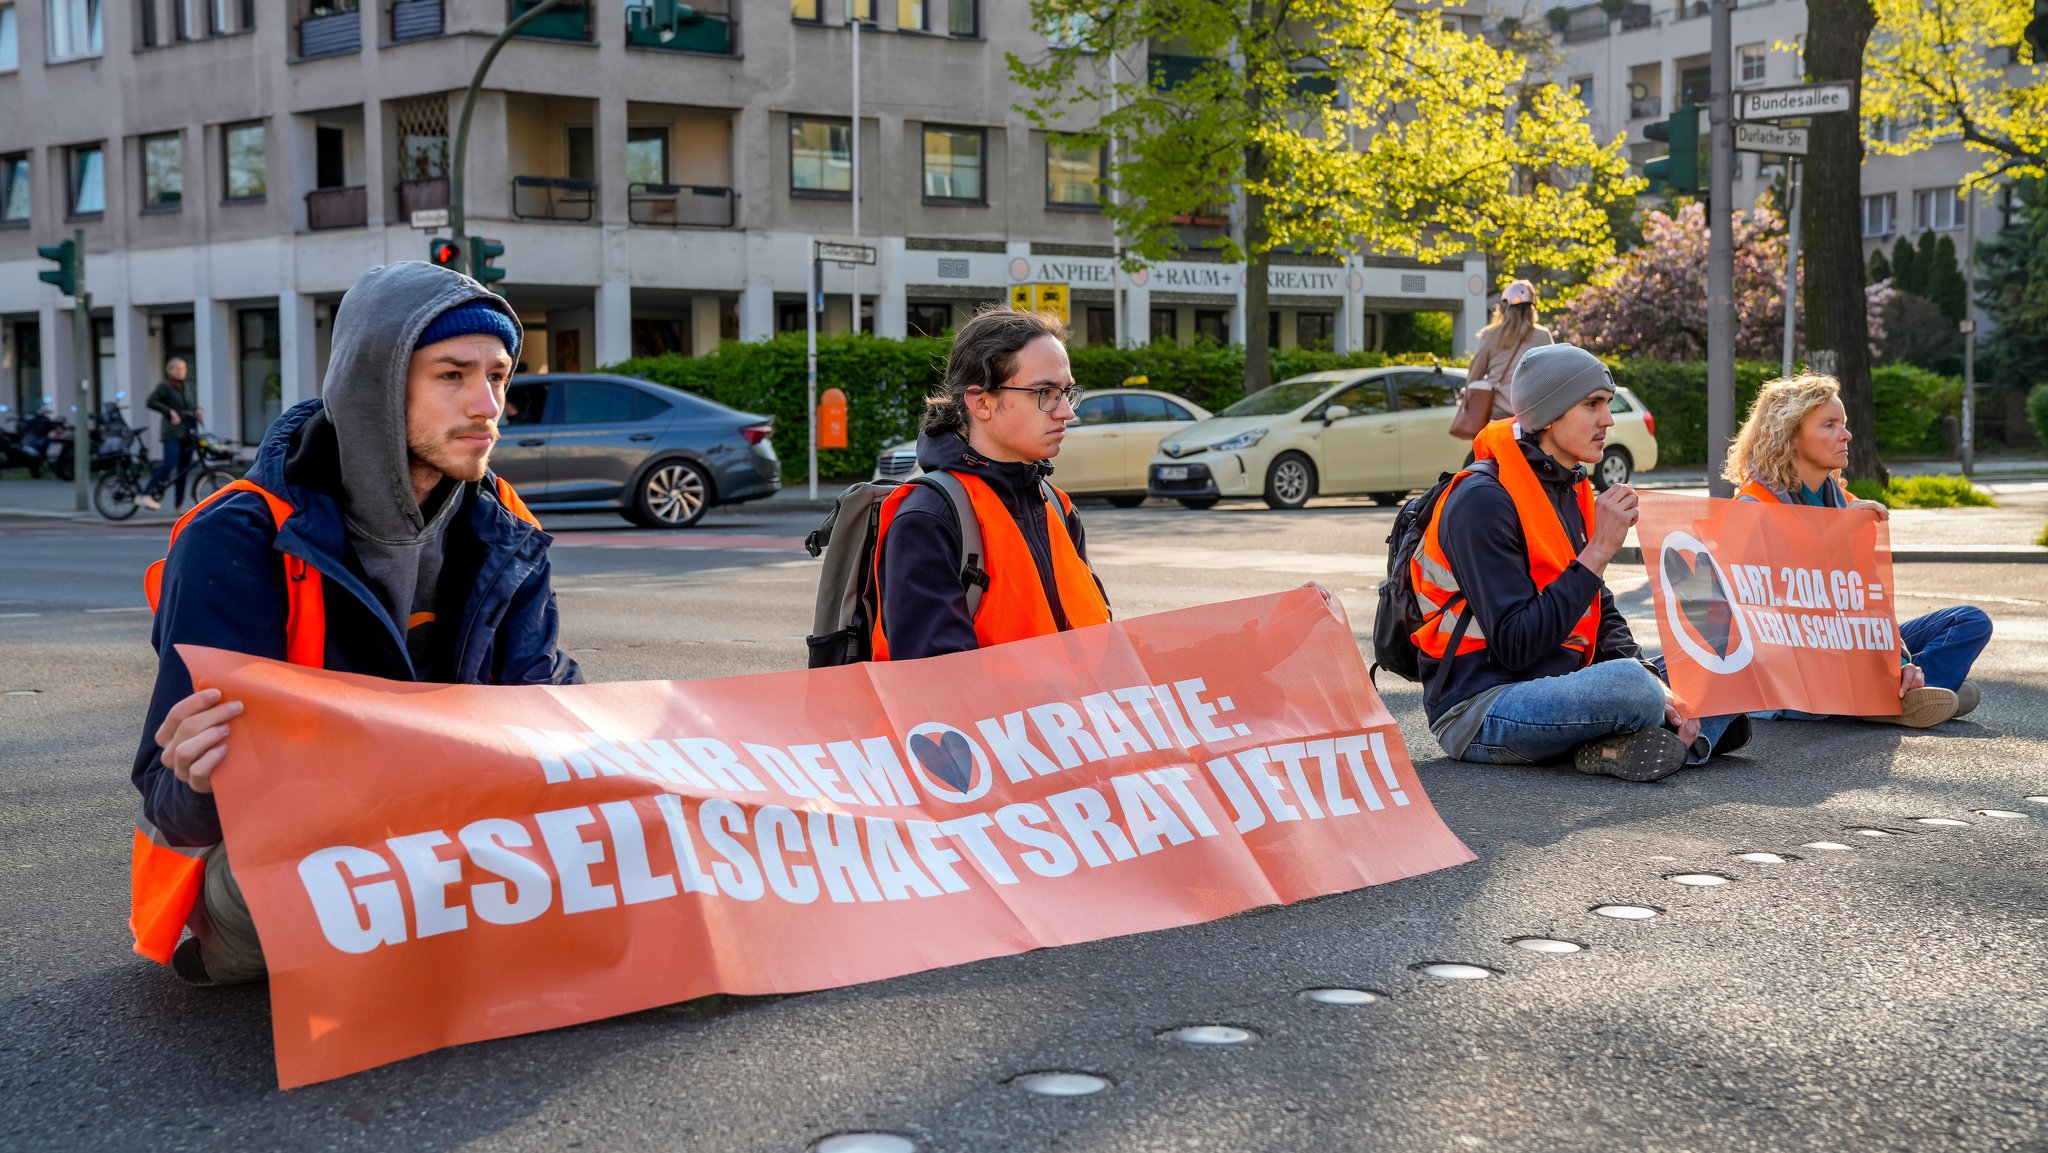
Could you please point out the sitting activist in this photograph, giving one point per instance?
(1792, 451)
(370, 537)
(1009, 395)
(1510, 570)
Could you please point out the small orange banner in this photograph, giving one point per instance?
(1772, 606)
(434, 864)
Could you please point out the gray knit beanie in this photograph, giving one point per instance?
(1551, 379)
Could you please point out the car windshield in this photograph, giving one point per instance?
(1278, 400)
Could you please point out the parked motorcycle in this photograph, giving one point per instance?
(15, 452)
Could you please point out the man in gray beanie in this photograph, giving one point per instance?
(369, 537)
(1528, 660)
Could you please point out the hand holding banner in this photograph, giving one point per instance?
(434, 864)
(1772, 606)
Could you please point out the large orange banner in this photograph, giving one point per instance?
(433, 864)
(1772, 606)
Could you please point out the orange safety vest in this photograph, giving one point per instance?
(1014, 606)
(164, 879)
(1756, 491)
(1550, 551)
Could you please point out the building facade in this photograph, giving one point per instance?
(656, 171)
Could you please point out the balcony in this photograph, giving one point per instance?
(1583, 25)
(415, 19)
(337, 208)
(1646, 107)
(562, 22)
(1637, 16)
(675, 27)
(1693, 9)
(330, 28)
(558, 198)
(681, 205)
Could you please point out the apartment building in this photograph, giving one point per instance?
(656, 170)
(1632, 68)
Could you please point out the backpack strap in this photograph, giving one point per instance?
(972, 552)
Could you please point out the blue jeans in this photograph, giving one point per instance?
(174, 457)
(1944, 643)
(1542, 719)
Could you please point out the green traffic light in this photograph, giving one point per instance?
(65, 275)
(482, 251)
(1678, 170)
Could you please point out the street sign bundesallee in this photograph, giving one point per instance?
(846, 253)
(1770, 138)
(1805, 100)
(429, 219)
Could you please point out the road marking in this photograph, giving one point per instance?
(17, 616)
(122, 609)
(683, 540)
(1251, 560)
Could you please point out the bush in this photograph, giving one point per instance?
(1910, 404)
(1870, 490)
(2037, 410)
(1923, 492)
(2042, 540)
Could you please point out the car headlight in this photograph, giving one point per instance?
(1242, 440)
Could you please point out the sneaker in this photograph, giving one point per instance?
(1968, 696)
(188, 965)
(1644, 755)
(1923, 708)
(149, 502)
(1737, 734)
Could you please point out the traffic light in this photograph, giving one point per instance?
(65, 275)
(483, 250)
(445, 252)
(1679, 169)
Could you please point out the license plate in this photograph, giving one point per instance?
(1173, 472)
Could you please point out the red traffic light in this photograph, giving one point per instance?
(446, 253)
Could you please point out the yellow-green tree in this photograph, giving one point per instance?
(1935, 69)
(1345, 123)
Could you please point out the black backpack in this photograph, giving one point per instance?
(1400, 613)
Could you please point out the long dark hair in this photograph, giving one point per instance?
(984, 354)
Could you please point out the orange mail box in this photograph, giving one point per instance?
(832, 419)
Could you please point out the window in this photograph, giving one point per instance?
(330, 157)
(861, 10)
(1165, 325)
(588, 402)
(1695, 85)
(580, 150)
(1315, 329)
(242, 145)
(1144, 408)
(1582, 87)
(805, 10)
(186, 14)
(10, 48)
(1878, 214)
(952, 165)
(1073, 174)
(1096, 410)
(1366, 398)
(525, 404)
(163, 172)
(647, 155)
(1212, 326)
(1101, 326)
(88, 180)
(963, 17)
(1937, 208)
(146, 33)
(820, 157)
(73, 28)
(14, 202)
(217, 18)
(928, 319)
(1426, 390)
(261, 361)
(910, 15)
(1070, 30)
(1752, 56)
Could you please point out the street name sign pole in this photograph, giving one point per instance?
(1721, 255)
(849, 255)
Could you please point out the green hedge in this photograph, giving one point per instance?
(886, 381)
(1910, 404)
(2037, 410)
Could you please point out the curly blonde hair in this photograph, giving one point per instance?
(1763, 449)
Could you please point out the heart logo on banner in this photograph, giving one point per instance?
(1701, 598)
(949, 758)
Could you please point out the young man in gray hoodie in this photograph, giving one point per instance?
(429, 569)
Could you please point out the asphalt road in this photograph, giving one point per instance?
(1890, 996)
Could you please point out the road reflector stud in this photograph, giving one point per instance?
(1209, 1035)
(1830, 846)
(1545, 945)
(1454, 971)
(1343, 996)
(2005, 814)
(1628, 912)
(1764, 858)
(1697, 880)
(865, 1143)
(1947, 822)
(1058, 1083)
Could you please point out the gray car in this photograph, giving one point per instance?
(657, 456)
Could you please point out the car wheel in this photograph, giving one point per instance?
(1615, 467)
(1290, 481)
(1126, 501)
(1198, 503)
(673, 494)
(114, 496)
(1387, 499)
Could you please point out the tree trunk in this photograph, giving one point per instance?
(1831, 218)
(1258, 331)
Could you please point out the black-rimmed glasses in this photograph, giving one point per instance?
(1048, 397)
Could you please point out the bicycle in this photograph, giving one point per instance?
(117, 492)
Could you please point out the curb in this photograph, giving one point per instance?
(1961, 554)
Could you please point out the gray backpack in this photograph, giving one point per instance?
(842, 627)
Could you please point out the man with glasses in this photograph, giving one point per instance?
(1009, 396)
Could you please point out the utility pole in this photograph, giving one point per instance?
(81, 363)
(814, 296)
(1116, 235)
(1721, 254)
(456, 220)
(853, 148)
(1969, 326)
(1792, 175)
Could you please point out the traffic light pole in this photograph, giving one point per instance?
(81, 363)
(814, 291)
(1721, 254)
(456, 220)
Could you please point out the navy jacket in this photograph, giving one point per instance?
(224, 587)
(924, 603)
(1525, 629)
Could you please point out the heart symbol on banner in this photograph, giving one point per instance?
(949, 758)
(1701, 597)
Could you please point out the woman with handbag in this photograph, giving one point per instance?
(1513, 331)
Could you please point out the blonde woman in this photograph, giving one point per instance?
(1512, 332)
(1792, 451)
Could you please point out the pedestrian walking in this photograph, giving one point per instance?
(1008, 398)
(371, 537)
(177, 432)
(1510, 335)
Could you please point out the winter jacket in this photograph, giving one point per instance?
(168, 398)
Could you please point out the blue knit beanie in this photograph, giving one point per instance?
(471, 318)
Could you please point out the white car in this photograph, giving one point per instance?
(1107, 448)
(1379, 432)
